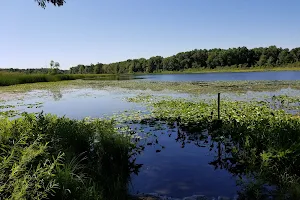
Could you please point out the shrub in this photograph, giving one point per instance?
(58, 158)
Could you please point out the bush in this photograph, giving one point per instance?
(58, 158)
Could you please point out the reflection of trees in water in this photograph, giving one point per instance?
(56, 94)
(221, 146)
(230, 154)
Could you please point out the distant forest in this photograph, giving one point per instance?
(240, 57)
(202, 59)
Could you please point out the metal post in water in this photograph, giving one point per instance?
(219, 143)
(219, 98)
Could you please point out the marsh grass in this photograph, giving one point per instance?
(7, 79)
(255, 139)
(12, 78)
(58, 158)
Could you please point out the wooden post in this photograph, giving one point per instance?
(219, 98)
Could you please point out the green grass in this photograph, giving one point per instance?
(19, 78)
(7, 79)
(46, 157)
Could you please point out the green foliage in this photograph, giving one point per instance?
(98, 68)
(58, 158)
(7, 79)
(240, 57)
(20, 78)
(54, 68)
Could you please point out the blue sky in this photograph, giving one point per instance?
(91, 31)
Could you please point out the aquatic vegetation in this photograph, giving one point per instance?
(13, 110)
(57, 158)
(255, 139)
(198, 87)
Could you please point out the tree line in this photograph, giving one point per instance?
(240, 57)
(53, 69)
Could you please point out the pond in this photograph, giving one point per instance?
(226, 76)
(175, 170)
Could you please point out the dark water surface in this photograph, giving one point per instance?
(226, 76)
(174, 171)
(181, 167)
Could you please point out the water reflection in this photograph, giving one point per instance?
(56, 94)
(174, 165)
(182, 159)
(225, 76)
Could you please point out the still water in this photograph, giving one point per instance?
(227, 76)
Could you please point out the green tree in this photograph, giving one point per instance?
(158, 63)
(257, 53)
(130, 70)
(285, 57)
(54, 67)
(262, 60)
(97, 69)
(213, 60)
(150, 65)
(199, 58)
(81, 69)
(74, 70)
(296, 54)
(271, 61)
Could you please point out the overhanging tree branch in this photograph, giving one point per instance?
(42, 3)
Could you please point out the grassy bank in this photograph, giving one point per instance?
(46, 157)
(7, 79)
(258, 140)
